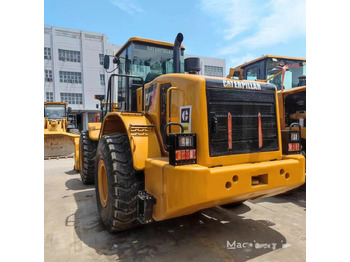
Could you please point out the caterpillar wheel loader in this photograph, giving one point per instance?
(290, 71)
(181, 142)
(57, 141)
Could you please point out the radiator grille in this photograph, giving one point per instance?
(244, 107)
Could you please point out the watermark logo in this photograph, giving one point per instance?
(253, 245)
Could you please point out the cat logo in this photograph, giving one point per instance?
(185, 115)
(185, 118)
(228, 84)
(241, 84)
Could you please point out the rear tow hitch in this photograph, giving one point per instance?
(145, 204)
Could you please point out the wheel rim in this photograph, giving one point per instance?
(102, 183)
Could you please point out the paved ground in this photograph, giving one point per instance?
(271, 229)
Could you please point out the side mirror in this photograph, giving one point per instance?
(100, 97)
(69, 110)
(106, 62)
(236, 74)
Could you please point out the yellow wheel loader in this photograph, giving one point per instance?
(57, 141)
(290, 71)
(181, 142)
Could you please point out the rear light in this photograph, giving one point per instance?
(192, 153)
(182, 149)
(178, 155)
(182, 141)
(294, 136)
(183, 154)
(294, 140)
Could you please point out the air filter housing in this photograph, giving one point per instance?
(192, 65)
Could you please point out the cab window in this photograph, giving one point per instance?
(252, 73)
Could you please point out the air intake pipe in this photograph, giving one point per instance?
(177, 51)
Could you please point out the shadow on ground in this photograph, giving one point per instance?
(296, 196)
(77, 184)
(71, 172)
(201, 236)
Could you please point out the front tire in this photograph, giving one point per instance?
(87, 153)
(117, 183)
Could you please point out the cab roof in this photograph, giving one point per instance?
(270, 56)
(145, 41)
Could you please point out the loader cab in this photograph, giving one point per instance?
(55, 111)
(268, 66)
(144, 58)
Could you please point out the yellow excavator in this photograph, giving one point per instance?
(57, 141)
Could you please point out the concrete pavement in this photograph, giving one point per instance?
(271, 229)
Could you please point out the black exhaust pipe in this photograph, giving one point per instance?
(177, 51)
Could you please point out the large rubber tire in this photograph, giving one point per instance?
(124, 182)
(87, 153)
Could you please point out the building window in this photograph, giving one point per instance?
(101, 56)
(213, 70)
(72, 98)
(69, 55)
(48, 75)
(49, 97)
(70, 77)
(102, 79)
(47, 53)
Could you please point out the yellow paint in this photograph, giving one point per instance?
(183, 190)
(94, 131)
(139, 129)
(102, 183)
(76, 154)
(194, 88)
(186, 189)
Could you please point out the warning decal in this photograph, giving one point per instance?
(185, 115)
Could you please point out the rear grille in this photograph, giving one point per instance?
(244, 107)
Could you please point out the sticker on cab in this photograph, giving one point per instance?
(185, 118)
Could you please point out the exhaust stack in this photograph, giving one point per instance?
(176, 52)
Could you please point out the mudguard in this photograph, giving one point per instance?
(142, 135)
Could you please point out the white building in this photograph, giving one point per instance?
(73, 66)
(211, 66)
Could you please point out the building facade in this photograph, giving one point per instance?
(211, 66)
(73, 69)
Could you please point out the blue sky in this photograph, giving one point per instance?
(236, 30)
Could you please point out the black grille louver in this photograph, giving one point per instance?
(244, 107)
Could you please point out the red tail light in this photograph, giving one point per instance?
(183, 154)
(187, 154)
(178, 155)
